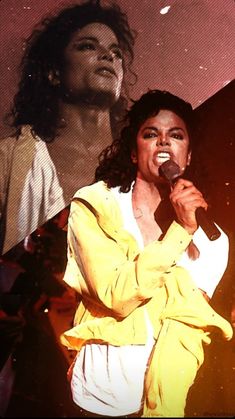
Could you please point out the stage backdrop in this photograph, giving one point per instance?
(186, 46)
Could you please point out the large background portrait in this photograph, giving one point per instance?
(65, 107)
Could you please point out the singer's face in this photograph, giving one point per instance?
(93, 63)
(160, 138)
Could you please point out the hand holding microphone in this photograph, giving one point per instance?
(187, 201)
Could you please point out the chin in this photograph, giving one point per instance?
(102, 98)
(108, 89)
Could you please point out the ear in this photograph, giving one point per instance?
(189, 158)
(134, 157)
(54, 77)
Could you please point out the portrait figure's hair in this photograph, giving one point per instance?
(116, 167)
(37, 99)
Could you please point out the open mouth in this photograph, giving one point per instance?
(105, 71)
(161, 157)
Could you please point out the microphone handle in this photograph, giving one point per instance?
(207, 225)
(171, 172)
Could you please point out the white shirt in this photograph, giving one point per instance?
(107, 379)
(42, 195)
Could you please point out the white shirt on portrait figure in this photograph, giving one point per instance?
(109, 380)
(42, 195)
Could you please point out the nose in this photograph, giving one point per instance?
(105, 54)
(163, 140)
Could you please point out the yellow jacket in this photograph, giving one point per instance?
(118, 282)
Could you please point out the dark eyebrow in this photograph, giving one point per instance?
(171, 129)
(177, 128)
(150, 127)
(87, 38)
(93, 38)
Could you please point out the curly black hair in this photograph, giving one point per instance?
(116, 167)
(37, 101)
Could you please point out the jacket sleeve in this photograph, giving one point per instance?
(6, 152)
(101, 269)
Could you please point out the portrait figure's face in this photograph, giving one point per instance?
(93, 63)
(160, 138)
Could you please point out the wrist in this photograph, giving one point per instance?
(190, 229)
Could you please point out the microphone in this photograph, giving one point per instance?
(171, 172)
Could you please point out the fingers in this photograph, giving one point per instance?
(186, 198)
(182, 184)
(184, 193)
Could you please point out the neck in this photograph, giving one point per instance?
(146, 196)
(85, 122)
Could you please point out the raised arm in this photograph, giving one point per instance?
(105, 265)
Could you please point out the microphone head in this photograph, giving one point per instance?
(170, 171)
